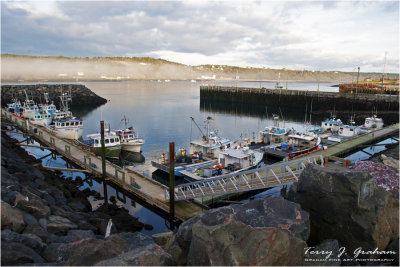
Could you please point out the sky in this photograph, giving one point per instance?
(311, 35)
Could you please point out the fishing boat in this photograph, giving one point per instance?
(329, 126)
(372, 123)
(274, 135)
(15, 107)
(230, 160)
(63, 112)
(129, 139)
(29, 107)
(41, 118)
(64, 124)
(93, 144)
(68, 128)
(296, 145)
(47, 106)
(345, 132)
(277, 84)
(201, 152)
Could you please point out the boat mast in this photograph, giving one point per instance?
(204, 136)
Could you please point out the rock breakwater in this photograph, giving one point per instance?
(81, 95)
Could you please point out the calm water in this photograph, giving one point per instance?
(160, 113)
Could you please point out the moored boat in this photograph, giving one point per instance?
(345, 132)
(372, 123)
(230, 160)
(129, 138)
(93, 144)
(41, 118)
(68, 128)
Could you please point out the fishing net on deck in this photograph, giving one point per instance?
(385, 176)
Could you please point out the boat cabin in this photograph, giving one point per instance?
(110, 140)
(349, 130)
(234, 159)
(210, 147)
(373, 122)
(331, 125)
(64, 123)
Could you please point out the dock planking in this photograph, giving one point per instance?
(149, 191)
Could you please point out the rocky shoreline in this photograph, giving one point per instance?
(331, 216)
(81, 95)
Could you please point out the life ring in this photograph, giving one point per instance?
(367, 122)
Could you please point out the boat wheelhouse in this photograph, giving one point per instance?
(47, 106)
(68, 128)
(274, 135)
(93, 144)
(345, 132)
(129, 140)
(15, 107)
(41, 118)
(371, 124)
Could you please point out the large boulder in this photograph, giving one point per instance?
(18, 254)
(59, 225)
(346, 205)
(150, 255)
(11, 218)
(29, 240)
(270, 231)
(35, 207)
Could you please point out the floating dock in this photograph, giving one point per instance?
(151, 192)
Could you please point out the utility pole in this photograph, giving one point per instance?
(383, 72)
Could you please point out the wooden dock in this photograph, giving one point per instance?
(356, 142)
(151, 192)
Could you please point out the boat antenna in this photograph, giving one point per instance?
(125, 120)
(311, 111)
(282, 117)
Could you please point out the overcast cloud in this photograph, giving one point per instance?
(325, 35)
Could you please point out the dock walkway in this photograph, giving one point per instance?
(151, 192)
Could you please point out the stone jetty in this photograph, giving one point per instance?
(81, 95)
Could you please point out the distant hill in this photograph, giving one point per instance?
(21, 68)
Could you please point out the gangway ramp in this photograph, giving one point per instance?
(261, 178)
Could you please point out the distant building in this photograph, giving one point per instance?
(367, 79)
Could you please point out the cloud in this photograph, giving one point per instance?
(327, 35)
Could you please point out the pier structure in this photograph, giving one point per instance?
(146, 189)
(253, 101)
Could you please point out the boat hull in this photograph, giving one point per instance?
(110, 152)
(69, 133)
(132, 147)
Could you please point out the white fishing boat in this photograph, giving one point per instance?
(64, 124)
(29, 107)
(201, 152)
(47, 106)
(371, 124)
(230, 160)
(68, 128)
(328, 127)
(15, 107)
(129, 138)
(92, 144)
(41, 118)
(345, 132)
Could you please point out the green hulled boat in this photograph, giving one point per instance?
(93, 144)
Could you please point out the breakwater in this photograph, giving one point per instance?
(254, 101)
(81, 95)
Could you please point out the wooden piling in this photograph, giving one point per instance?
(171, 182)
(103, 162)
